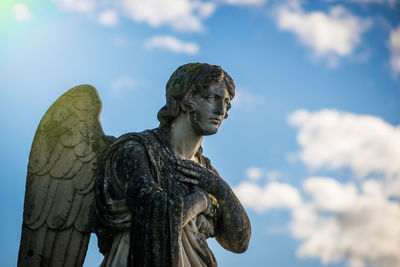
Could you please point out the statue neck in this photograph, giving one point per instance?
(183, 140)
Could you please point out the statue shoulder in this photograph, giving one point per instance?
(206, 162)
(128, 145)
(130, 151)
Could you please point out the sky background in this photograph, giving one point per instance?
(312, 142)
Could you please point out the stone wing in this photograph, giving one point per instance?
(60, 180)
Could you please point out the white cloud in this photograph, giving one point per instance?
(82, 6)
(171, 43)
(338, 223)
(343, 221)
(273, 195)
(183, 15)
(390, 2)
(330, 35)
(122, 84)
(356, 221)
(108, 18)
(334, 139)
(326, 192)
(360, 227)
(245, 2)
(394, 46)
(254, 173)
(21, 12)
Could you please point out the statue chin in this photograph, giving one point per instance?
(204, 130)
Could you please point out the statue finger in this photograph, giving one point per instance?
(188, 180)
(188, 164)
(184, 163)
(188, 172)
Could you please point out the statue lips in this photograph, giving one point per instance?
(215, 120)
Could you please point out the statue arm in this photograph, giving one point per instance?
(233, 228)
(194, 204)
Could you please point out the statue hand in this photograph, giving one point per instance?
(196, 174)
(205, 197)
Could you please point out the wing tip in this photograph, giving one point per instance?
(83, 89)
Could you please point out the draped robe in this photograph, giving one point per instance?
(139, 207)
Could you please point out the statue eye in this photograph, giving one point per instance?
(211, 97)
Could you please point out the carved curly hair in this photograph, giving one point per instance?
(185, 82)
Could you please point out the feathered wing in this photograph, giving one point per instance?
(61, 176)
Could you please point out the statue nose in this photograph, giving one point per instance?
(219, 109)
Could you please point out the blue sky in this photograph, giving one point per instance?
(312, 142)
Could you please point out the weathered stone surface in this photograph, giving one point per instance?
(152, 198)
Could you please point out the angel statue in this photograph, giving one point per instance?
(151, 197)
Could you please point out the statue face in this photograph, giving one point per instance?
(211, 108)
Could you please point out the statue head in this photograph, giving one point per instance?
(187, 81)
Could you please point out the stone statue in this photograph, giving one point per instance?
(152, 198)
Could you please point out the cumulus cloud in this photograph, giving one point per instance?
(108, 18)
(343, 223)
(81, 6)
(339, 222)
(330, 35)
(273, 195)
(330, 195)
(390, 2)
(254, 173)
(333, 139)
(356, 221)
(183, 15)
(394, 46)
(171, 43)
(245, 2)
(353, 221)
(21, 12)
